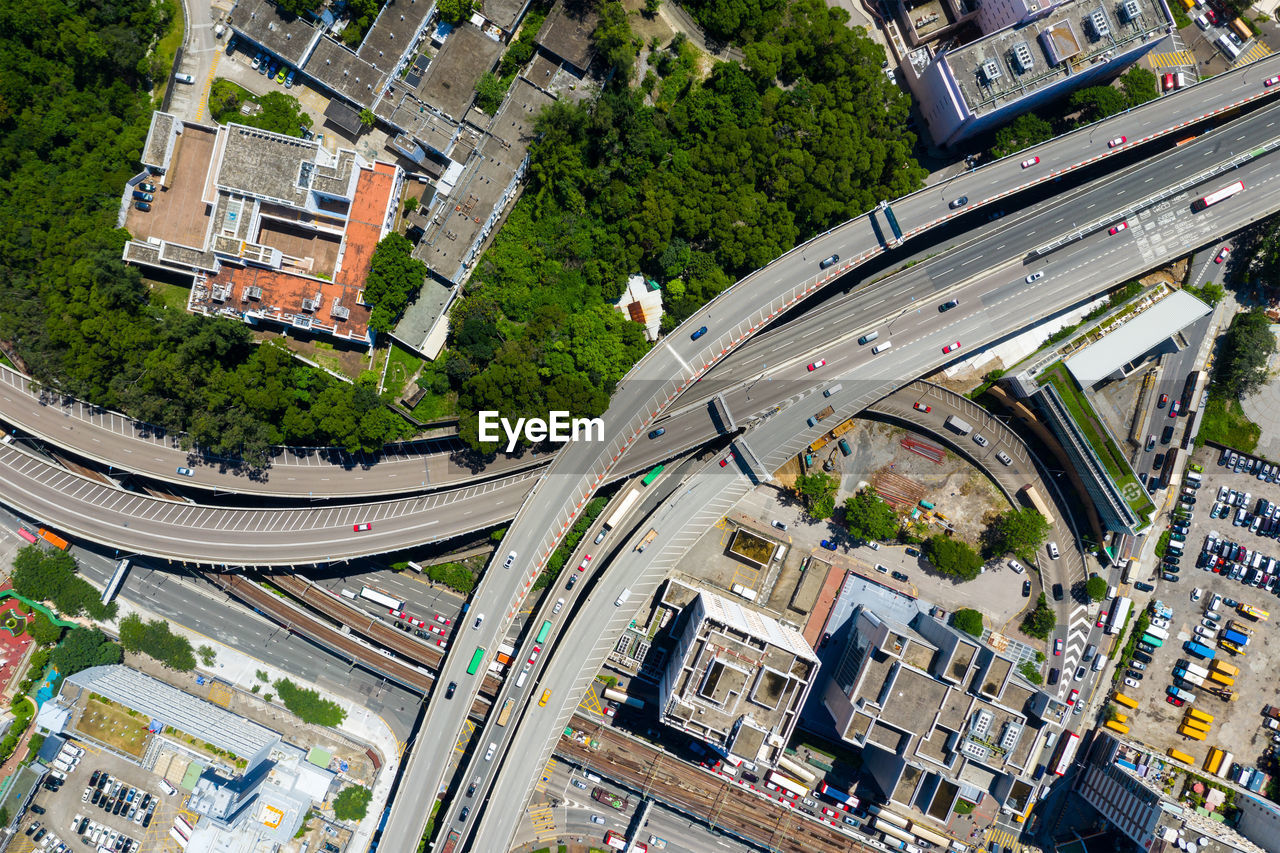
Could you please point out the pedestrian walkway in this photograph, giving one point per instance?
(1007, 840)
(1256, 51)
(1173, 59)
(544, 822)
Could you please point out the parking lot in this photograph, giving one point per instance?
(56, 809)
(1238, 725)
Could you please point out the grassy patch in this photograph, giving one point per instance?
(170, 295)
(1162, 544)
(434, 407)
(1108, 453)
(401, 367)
(111, 725)
(1226, 423)
(168, 47)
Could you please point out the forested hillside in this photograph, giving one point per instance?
(73, 118)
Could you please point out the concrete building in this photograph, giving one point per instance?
(272, 230)
(1116, 779)
(938, 715)
(736, 679)
(641, 302)
(1026, 53)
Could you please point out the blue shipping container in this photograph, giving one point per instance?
(1199, 650)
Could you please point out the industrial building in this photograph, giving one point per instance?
(736, 679)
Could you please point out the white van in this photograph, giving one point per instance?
(488, 753)
(876, 350)
(522, 677)
(834, 389)
(622, 599)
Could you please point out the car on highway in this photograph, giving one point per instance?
(586, 559)
(1029, 162)
(1057, 646)
(822, 362)
(698, 334)
(830, 262)
(186, 472)
(559, 606)
(725, 461)
(1271, 81)
(951, 347)
(578, 783)
(959, 202)
(658, 432)
(1164, 400)
(572, 580)
(948, 305)
(488, 753)
(1117, 142)
(1175, 408)
(479, 619)
(921, 407)
(362, 526)
(828, 544)
(510, 561)
(1151, 441)
(1222, 255)
(595, 818)
(451, 689)
(1079, 674)
(1035, 276)
(533, 655)
(1073, 696)
(1116, 229)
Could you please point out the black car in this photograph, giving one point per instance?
(1169, 577)
(900, 576)
(947, 306)
(466, 810)
(471, 789)
(146, 821)
(657, 432)
(1142, 657)
(959, 202)
(1057, 592)
(93, 780)
(1053, 675)
(1145, 587)
(1026, 589)
(830, 262)
(572, 580)
(453, 686)
(1134, 674)
(37, 809)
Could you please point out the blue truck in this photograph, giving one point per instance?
(1198, 650)
(1235, 637)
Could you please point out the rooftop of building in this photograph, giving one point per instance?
(449, 84)
(1009, 64)
(268, 165)
(566, 33)
(393, 33)
(340, 70)
(173, 707)
(1146, 326)
(287, 36)
(504, 13)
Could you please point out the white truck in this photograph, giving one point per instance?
(958, 425)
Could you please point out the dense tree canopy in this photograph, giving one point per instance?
(43, 575)
(868, 517)
(1019, 531)
(737, 20)
(819, 493)
(395, 277)
(83, 648)
(1023, 132)
(953, 557)
(715, 180)
(1096, 588)
(968, 620)
(1040, 621)
(1246, 348)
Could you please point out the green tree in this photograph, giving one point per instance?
(490, 90)
(43, 630)
(1246, 348)
(301, 8)
(1096, 102)
(455, 11)
(83, 648)
(352, 803)
(208, 656)
(968, 620)
(308, 706)
(1019, 531)
(1210, 293)
(1030, 672)
(395, 277)
(1023, 132)
(613, 39)
(43, 575)
(367, 118)
(818, 490)
(1096, 588)
(952, 557)
(868, 517)
(155, 640)
(1041, 621)
(1140, 85)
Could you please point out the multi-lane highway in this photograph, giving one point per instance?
(114, 440)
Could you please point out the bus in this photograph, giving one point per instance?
(1117, 727)
(1119, 612)
(381, 598)
(28, 535)
(177, 836)
(1211, 762)
(1242, 29)
(1067, 746)
(618, 514)
(543, 633)
(797, 770)
(1255, 613)
(652, 475)
(54, 539)
(505, 713)
(615, 840)
(1196, 713)
(1152, 641)
(1195, 725)
(839, 796)
(1194, 734)
(1179, 755)
(1225, 767)
(1037, 503)
(1125, 700)
(790, 787)
(1219, 195)
(476, 660)
(893, 221)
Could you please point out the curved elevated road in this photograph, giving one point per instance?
(115, 440)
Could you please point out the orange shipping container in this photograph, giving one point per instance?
(54, 539)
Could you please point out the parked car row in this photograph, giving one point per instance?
(1235, 561)
(1242, 464)
(93, 833)
(118, 798)
(273, 69)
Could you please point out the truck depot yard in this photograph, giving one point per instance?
(1219, 604)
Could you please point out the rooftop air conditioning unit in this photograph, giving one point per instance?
(991, 70)
(1022, 56)
(1098, 22)
(1130, 10)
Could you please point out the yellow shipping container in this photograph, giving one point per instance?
(1121, 717)
(1222, 678)
(1198, 725)
(1226, 668)
(1212, 762)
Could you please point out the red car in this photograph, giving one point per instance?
(1057, 646)
(1118, 228)
(1028, 163)
(435, 629)
(1222, 256)
(442, 620)
(921, 407)
(398, 614)
(952, 347)
(534, 655)
(1072, 697)
(1117, 142)
(822, 362)
(1168, 82)
(1175, 701)
(583, 565)
(1175, 408)
(1164, 399)
(417, 623)
(725, 461)
(1271, 81)
(1211, 15)
(364, 525)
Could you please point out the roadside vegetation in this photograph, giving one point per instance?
(1019, 531)
(43, 575)
(818, 493)
(1041, 621)
(561, 555)
(870, 518)
(275, 111)
(953, 557)
(308, 705)
(352, 803)
(155, 640)
(1240, 369)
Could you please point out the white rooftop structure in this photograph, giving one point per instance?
(1138, 334)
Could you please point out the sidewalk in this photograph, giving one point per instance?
(240, 669)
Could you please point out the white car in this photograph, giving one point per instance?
(1053, 550)
(1202, 631)
(1130, 682)
(1195, 594)
(1016, 566)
